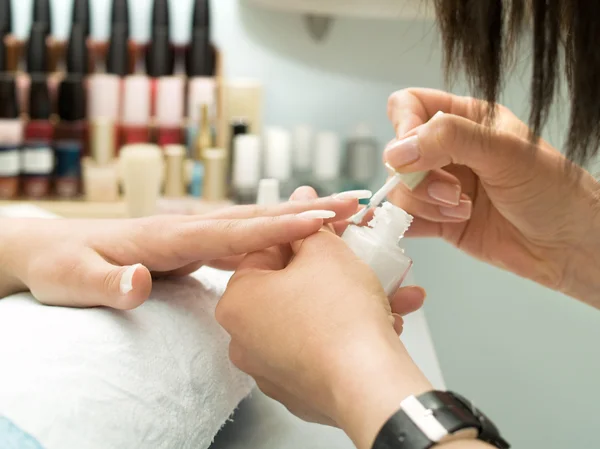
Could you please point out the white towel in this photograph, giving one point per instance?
(158, 377)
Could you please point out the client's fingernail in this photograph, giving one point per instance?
(314, 214)
(462, 211)
(403, 153)
(354, 195)
(398, 323)
(444, 192)
(126, 284)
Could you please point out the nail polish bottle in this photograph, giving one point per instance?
(36, 62)
(42, 15)
(379, 245)
(100, 174)
(201, 91)
(142, 170)
(215, 174)
(362, 159)
(70, 136)
(11, 137)
(159, 60)
(81, 18)
(239, 126)
(278, 158)
(119, 19)
(77, 52)
(303, 153)
(246, 168)
(38, 155)
(170, 93)
(268, 193)
(200, 55)
(135, 126)
(174, 179)
(13, 45)
(327, 163)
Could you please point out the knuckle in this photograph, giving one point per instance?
(444, 134)
(395, 99)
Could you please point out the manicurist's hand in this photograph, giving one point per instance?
(493, 194)
(312, 324)
(86, 263)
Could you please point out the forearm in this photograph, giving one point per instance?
(10, 281)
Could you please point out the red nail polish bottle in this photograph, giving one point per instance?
(169, 110)
(159, 59)
(38, 156)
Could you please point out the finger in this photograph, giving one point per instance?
(270, 259)
(438, 188)
(180, 272)
(398, 324)
(494, 156)
(408, 300)
(424, 228)
(304, 193)
(431, 212)
(227, 264)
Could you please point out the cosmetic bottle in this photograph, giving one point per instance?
(13, 45)
(77, 52)
(80, 20)
(379, 245)
(42, 15)
(119, 21)
(215, 174)
(36, 62)
(362, 159)
(239, 126)
(200, 55)
(240, 98)
(142, 170)
(278, 158)
(204, 137)
(201, 92)
(303, 153)
(100, 174)
(174, 172)
(135, 125)
(70, 136)
(268, 192)
(170, 93)
(327, 163)
(159, 60)
(11, 137)
(246, 168)
(38, 156)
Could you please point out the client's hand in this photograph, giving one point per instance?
(87, 263)
(312, 324)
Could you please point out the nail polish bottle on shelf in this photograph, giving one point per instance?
(142, 171)
(42, 15)
(80, 18)
(201, 91)
(327, 162)
(200, 55)
(70, 136)
(278, 158)
(77, 52)
(174, 179)
(135, 124)
(215, 175)
(38, 155)
(362, 160)
(159, 60)
(303, 153)
(36, 62)
(170, 92)
(11, 137)
(239, 126)
(119, 20)
(13, 45)
(100, 174)
(379, 245)
(246, 168)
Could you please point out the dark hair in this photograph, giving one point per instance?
(481, 35)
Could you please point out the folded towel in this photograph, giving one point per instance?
(158, 377)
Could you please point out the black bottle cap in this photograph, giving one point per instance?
(201, 17)
(77, 52)
(5, 17)
(40, 104)
(117, 60)
(71, 98)
(160, 14)
(81, 15)
(239, 126)
(160, 58)
(37, 55)
(42, 14)
(120, 14)
(2, 52)
(200, 56)
(9, 106)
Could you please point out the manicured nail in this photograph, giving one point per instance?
(127, 279)
(398, 323)
(403, 153)
(444, 192)
(462, 211)
(437, 114)
(314, 214)
(354, 195)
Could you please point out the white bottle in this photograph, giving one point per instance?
(378, 245)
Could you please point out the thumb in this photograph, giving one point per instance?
(448, 139)
(123, 288)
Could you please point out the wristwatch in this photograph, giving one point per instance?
(437, 417)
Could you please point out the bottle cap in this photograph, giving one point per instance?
(239, 125)
(200, 55)
(174, 180)
(215, 174)
(303, 147)
(42, 14)
(6, 26)
(71, 98)
(327, 156)
(136, 100)
(103, 96)
(117, 60)
(37, 55)
(246, 161)
(201, 91)
(160, 14)
(102, 140)
(170, 93)
(40, 104)
(268, 192)
(160, 59)
(201, 15)
(278, 154)
(77, 53)
(81, 16)
(9, 106)
(119, 15)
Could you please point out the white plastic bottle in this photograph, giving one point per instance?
(379, 245)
